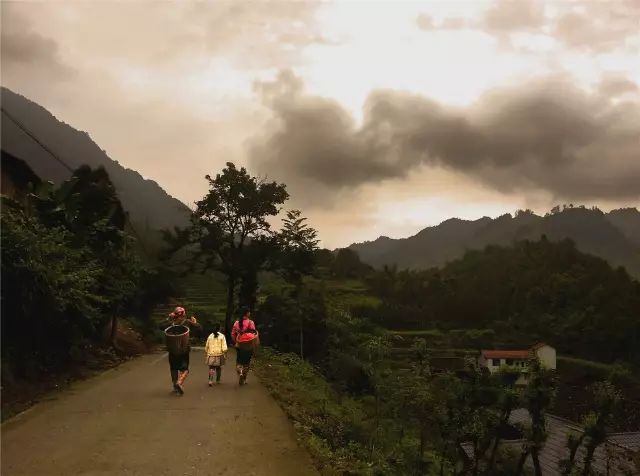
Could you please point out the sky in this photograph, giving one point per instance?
(381, 117)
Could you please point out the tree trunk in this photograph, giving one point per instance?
(442, 458)
(521, 461)
(377, 420)
(572, 456)
(588, 459)
(301, 338)
(231, 289)
(494, 452)
(535, 457)
(114, 330)
(476, 459)
(297, 290)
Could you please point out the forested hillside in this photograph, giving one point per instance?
(522, 293)
(148, 205)
(614, 236)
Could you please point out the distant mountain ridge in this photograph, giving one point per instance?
(614, 236)
(148, 205)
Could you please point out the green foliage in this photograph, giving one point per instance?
(347, 264)
(297, 246)
(526, 292)
(282, 317)
(42, 271)
(230, 229)
(331, 426)
(68, 268)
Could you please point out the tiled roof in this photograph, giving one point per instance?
(616, 454)
(612, 454)
(506, 354)
(629, 440)
(537, 345)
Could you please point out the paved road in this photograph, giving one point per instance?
(127, 422)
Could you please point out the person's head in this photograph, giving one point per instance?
(216, 329)
(244, 314)
(178, 312)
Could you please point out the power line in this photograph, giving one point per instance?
(24, 129)
(35, 139)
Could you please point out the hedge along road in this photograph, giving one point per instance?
(127, 421)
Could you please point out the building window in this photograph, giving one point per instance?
(509, 361)
(496, 362)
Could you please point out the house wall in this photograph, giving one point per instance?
(547, 356)
(8, 187)
(488, 363)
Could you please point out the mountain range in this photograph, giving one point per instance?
(614, 236)
(149, 206)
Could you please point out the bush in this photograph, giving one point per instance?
(331, 426)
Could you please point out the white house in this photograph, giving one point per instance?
(494, 359)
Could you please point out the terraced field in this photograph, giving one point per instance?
(204, 296)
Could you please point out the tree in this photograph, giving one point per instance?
(50, 291)
(297, 252)
(234, 213)
(507, 400)
(88, 206)
(347, 264)
(606, 400)
(256, 256)
(374, 352)
(418, 394)
(538, 397)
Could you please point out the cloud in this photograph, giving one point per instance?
(506, 16)
(499, 18)
(24, 49)
(542, 135)
(616, 85)
(156, 84)
(592, 27)
(601, 27)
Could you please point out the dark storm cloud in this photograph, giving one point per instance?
(546, 135)
(27, 49)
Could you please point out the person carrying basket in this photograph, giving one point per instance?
(179, 347)
(245, 337)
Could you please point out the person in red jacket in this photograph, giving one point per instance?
(245, 336)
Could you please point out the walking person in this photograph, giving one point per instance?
(246, 339)
(216, 354)
(179, 355)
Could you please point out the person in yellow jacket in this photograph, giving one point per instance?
(216, 354)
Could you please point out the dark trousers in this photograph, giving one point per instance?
(243, 357)
(178, 363)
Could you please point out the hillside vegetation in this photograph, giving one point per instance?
(532, 290)
(613, 236)
(149, 206)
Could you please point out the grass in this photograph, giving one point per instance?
(586, 364)
(329, 425)
(417, 333)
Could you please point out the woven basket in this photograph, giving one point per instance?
(177, 339)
